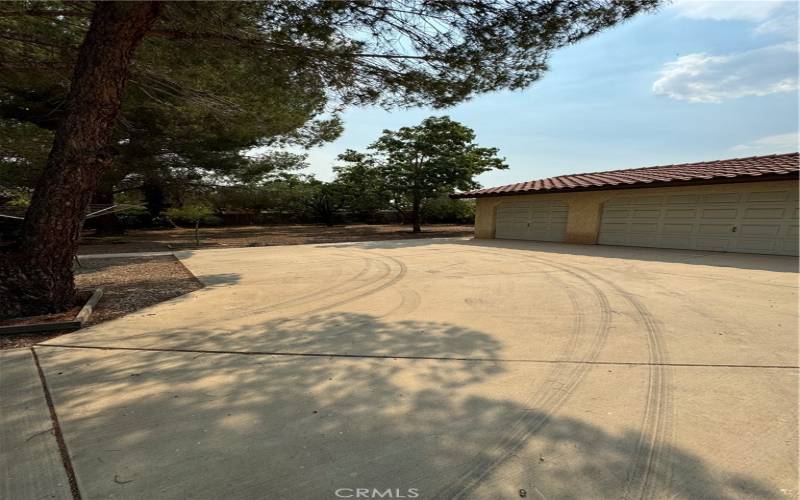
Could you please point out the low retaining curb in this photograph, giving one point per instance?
(75, 324)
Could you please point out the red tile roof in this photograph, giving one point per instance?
(754, 168)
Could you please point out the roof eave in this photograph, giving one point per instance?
(788, 176)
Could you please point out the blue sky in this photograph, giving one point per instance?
(695, 81)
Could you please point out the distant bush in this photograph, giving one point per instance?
(446, 210)
(135, 217)
(194, 214)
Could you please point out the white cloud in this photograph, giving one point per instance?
(780, 143)
(780, 25)
(770, 17)
(702, 77)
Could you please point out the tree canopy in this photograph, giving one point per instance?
(213, 79)
(187, 80)
(413, 165)
(208, 59)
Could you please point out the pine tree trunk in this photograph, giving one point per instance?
(108, 224)
(36, 276)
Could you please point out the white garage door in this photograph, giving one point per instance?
(744, 221)
(531, 220)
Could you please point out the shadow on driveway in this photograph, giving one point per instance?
(167, 424)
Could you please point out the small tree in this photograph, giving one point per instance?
(431, 159)
(324, 200)
(361, 185)
(193, 213)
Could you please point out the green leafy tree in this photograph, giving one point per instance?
(194, 213)
(431, 159)
(363, 190)
(386, 51)
(325, 200)
(279, 195)
(447, 210)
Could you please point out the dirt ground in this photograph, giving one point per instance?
(130, 284)
(155, 240)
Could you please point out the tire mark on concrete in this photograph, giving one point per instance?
(546, 403)
(401, 273)
(409, 302)
(650, 472)
(321, 292)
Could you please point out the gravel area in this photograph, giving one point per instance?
(130, 284)
(133, 283)
(155, 240)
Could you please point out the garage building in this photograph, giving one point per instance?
(747, 205)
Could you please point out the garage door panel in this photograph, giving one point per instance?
(777, 196)
(617, 213)
(716, 244)
(680, 213)
(646, 214)
(675, 241)
(547, 236)
(722, 198)
(683, 199)
(513, 215)
(765, 213)
(755, 245)
(772, 230)
(650, 227)
(542, 221)
(719, 213)
(788, 247)
(677, 228)
(613, 239)
(613, 227)
(511, 231)
(723, 229)
(747, 221)
(643, 240)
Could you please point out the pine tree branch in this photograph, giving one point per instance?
(186, 35)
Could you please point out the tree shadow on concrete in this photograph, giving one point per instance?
(166, 424)
(774, 263)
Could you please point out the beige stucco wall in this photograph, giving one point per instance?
(586, 207)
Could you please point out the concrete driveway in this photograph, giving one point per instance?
(442, 369)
